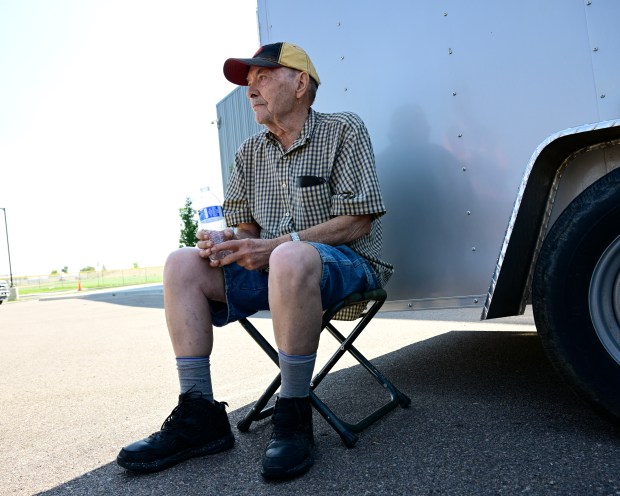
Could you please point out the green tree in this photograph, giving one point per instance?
(189, 225)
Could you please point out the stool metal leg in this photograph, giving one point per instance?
(348, 438)
(258, 411)
(346, 345)
(346, 431)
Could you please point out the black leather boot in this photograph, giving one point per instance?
(290, 451)
(196, 427)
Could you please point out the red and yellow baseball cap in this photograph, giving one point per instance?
(280, 54)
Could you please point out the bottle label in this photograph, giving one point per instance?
(212, 213)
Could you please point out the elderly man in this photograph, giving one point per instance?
(305, 201)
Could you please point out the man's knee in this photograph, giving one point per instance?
(295, 261)
(186, 271)
(181, 264)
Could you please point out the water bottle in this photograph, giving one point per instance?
(211, 218)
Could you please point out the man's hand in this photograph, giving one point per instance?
(249, 253)
(246, 248)
(208, 239)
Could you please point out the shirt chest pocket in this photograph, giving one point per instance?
(311, 202)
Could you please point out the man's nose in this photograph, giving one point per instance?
(251, 91)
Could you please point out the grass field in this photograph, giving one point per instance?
(87, 280)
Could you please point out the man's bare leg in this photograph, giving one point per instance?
(199, 425)
(295, 297)
(296, 311)
(188, 282)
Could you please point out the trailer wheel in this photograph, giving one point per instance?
(576, 295)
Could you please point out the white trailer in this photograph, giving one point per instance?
(496, 128)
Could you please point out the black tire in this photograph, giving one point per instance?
(576, 295)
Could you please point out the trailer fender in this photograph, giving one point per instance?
(533, 209)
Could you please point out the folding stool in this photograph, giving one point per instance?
(369, 304)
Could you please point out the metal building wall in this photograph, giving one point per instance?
(235, 123)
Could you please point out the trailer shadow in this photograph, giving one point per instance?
(147, 297)
(488, 415)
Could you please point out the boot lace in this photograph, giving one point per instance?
(185, 408)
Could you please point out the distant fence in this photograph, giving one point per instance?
(88, 280)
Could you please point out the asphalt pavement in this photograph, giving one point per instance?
(84, 375)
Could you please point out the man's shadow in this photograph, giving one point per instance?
(425, 231)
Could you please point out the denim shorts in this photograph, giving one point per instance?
(344, 272)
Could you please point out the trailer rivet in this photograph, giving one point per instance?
(454, 93)
(473, 248)
(603, 95)
(464, 169)
(469, 212)
(589, 2)
(409, 305)
(342, 58)
(450, 51)
(445, 14)
(461, 135)
(346, 89)
(475, 300)
(595, 49)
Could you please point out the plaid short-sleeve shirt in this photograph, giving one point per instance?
(328, 171)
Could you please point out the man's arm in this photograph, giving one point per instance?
(338, 230)
(248, 231)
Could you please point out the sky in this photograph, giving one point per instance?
(107, 113)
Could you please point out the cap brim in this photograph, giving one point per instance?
(236, 70)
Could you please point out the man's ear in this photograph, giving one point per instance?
(303, 82)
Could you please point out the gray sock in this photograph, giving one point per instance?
(296, 371)
(195, 374)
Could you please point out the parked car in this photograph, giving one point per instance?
(4, 291)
